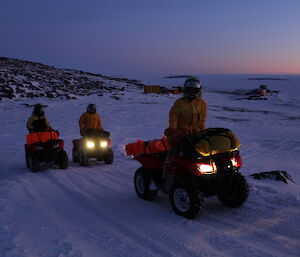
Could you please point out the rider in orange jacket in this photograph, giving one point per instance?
(90, 120)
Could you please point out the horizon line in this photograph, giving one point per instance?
(165, 74)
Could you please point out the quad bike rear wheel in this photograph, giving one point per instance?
(143, 183)
(185, 198)
(109, 156)
(34, 162)
(237, 193)
(62, 159)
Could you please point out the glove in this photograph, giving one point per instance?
(174, 135)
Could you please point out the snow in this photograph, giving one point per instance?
(94, 211)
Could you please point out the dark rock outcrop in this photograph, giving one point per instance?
(279, 175)
(29, 79)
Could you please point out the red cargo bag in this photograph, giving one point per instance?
(42, 137)
(148, 147)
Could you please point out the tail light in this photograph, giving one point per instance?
(34, 148)
(236, 161)
(56, 145)
(61, 144)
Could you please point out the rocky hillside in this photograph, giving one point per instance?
(19, 79)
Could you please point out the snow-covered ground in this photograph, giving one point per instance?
(94, 211)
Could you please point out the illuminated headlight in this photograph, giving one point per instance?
(90, 144)
(207, 168)
(103, 144)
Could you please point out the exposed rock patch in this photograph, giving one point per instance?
(279, 175)
(21, 79)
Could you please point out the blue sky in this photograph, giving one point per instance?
(154, 36)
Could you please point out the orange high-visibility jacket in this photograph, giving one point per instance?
(89, 121)
(188, 115)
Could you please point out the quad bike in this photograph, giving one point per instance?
(188, 178)
(94, 144)
(49, 151)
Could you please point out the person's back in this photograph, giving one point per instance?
(90, 120)
(38, 122)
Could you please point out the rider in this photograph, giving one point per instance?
(186, 117)
(90, 120)
(38, 122)
(188, 114)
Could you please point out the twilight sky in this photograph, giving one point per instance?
(154, 36)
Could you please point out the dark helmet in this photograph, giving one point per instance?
(192, 87)
(91, 108)
(38, 110)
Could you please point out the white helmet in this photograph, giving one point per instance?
(192, 87)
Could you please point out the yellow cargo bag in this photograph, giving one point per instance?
(216, 140)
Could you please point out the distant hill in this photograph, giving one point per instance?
(25, 79)
(177, 76)
(267, 78)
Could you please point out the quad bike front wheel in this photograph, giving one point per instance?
(83, 159)
(99, 157)
(109, 156)
(185, 198)
(143, 183)
(34, 162)
(237, 193)
(27, 159)
(62, 159)
(75, 154)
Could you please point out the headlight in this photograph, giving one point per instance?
(103, 144)
(207, 168)
(90, 144)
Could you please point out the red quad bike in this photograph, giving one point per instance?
(190, 177)
(45, 147)
(94, 144)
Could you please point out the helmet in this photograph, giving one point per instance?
(91, 108)
(38, 111)
(192, 87)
